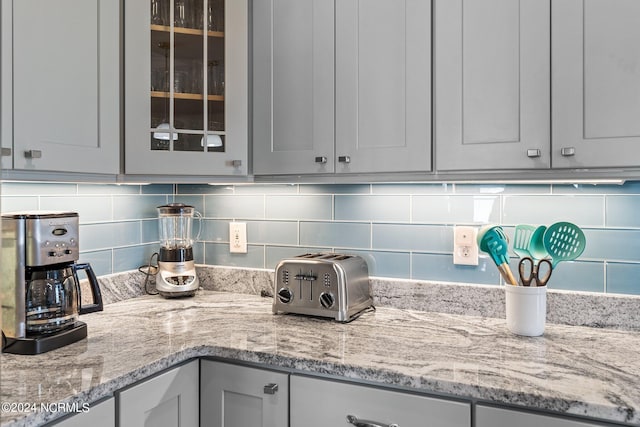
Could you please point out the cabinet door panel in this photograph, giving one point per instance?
(102, 414)
(66, 85)
(170, 399)
(234, 396)
(491, 84)
(293, 86)
(189, 154)
(321, 403)
(383, 85)
(596, 83)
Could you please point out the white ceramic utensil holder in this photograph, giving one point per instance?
(526, 308)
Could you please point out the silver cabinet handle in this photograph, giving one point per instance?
(344, 159)
(235, 163)
(321, 159)
(352, 419)
(33, 154)
(568, 151)
(270, 388)
(6, 152)
(534, 152)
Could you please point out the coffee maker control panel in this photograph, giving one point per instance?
(51, 239)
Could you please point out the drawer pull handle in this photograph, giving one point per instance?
(6, 152)
(270, 388)
(321, 159)
(33, 154)
(533, 152)
(568, 151)
(352, 419)
(344, 159)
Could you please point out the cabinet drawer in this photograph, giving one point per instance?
(497, 417)
(321, 403)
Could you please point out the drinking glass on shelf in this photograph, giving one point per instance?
(156, 13)
(211, 18)
(180, 82)
(196, 76)
(180, 14)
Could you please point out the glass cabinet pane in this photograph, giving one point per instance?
(187, 75)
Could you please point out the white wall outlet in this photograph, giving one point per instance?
(465, 245)
(238, 237)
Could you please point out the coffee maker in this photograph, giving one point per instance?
(39, 289)
(176, 275)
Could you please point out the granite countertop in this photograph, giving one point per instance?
(571, 369)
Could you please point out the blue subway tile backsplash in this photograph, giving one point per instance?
(403, 230)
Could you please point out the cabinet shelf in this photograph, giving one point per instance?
(189, 31)
(191, 96)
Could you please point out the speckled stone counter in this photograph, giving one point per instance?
(571, 369)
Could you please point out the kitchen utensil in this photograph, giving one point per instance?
(41, 286)
(492, 240)
(536, 244)
(529, 272)
(522, 240)
(564, 241)
(323, 284)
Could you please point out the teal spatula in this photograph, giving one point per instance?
(522, 240)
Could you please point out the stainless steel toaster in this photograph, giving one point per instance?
(323, 284)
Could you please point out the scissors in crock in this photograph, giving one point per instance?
(530, 271)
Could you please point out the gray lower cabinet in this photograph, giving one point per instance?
(321, 403)
(61, 85)
(487, 416)
(491, 84)
(239, 396)
(596, 83)
(168, 400)
(341, 87)
(102, 414)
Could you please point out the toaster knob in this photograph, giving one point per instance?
(327, 300)
(285, 295)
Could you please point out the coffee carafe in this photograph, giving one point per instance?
(41, 293)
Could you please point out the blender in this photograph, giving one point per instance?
(176, 275)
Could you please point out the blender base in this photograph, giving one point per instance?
(177, 294)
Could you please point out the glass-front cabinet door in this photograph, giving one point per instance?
(186, 97)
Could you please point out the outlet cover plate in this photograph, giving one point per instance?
(465, 245)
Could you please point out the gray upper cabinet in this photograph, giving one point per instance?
(293, 86)
(186, 87)
(341, 86)
(61, 85)
(596, 83)
(491, 84)
(383, 86)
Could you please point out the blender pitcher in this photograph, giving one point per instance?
(176, 269)
(176, 220)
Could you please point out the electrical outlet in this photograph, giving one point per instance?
(465, 245)
(238, 237)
